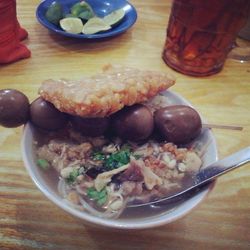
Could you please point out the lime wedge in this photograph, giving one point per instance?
(114, 17)
(54, 13)
(72, 25)
(94, 25)
(82, 10)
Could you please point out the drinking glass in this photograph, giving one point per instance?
(200, 34)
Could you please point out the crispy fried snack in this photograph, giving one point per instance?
(105, 93)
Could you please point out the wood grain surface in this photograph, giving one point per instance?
(28, 220)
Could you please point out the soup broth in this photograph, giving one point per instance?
(109, 177)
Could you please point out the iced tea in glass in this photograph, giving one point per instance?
(201, 33)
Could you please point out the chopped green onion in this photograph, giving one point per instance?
(102, 201)
(72, 176)
(98, 156)
(100, 197)
(114, 160)
(118, 159)
(91, 192)
(42, 163)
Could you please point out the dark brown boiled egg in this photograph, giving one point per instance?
(14, 108)
(90, 126)
(133, 123)
(178, 124)
(44, 115)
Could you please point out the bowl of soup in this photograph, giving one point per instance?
(110, 174)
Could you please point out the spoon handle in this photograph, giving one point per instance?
(222, 166)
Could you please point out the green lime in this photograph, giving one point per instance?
(94, 25)
(86, 15)
(114, 17)
(72, 25)
(54, 13)
(82, 10)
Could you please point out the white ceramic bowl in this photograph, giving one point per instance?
(135, 218)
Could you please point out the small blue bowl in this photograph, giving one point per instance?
(101, 9)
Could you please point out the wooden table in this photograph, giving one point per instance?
(28, 220)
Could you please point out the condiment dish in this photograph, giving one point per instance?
(101, 9)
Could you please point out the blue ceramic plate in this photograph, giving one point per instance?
(101, 9)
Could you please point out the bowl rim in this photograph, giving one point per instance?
(112, 223)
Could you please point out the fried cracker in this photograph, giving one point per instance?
(105, 93)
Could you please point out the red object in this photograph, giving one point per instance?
(23, 34)
(200, 34)
(11, 33)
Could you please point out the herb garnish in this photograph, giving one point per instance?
(100, 197)
(42, 163)
(72, 176)
(98, 156)
(113, 160)
(118, 159)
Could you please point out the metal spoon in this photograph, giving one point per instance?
(205, 176)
